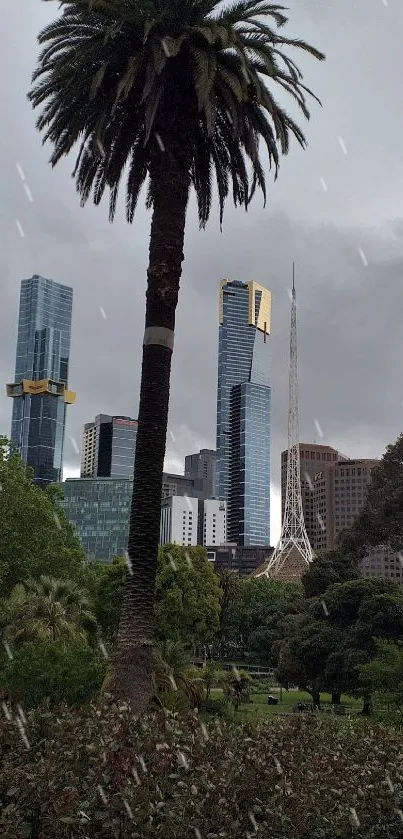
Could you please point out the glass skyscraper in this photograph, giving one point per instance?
(109, 447)
(40, 390)
(244, 411)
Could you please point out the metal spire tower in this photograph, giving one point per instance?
(293, 553)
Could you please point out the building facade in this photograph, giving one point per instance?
(181, 485)
(179, 520)
(213, 518)
(242, 560)
(202, 466)
(99, 510)
(313, 458)
(40, 389)
(339, 496)
(109, 447)
(383, 562)
(244, 411)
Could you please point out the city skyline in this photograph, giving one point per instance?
(336, 212)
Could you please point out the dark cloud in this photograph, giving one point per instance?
(337, 214)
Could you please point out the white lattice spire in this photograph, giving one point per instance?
(293, 552)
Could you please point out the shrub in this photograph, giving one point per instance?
(219, 707)
(45, 670)
(99, 773)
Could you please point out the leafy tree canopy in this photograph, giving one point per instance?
(253, 617)
(381, 519)
(187, 596)
(328, 568)
(323, 648)
(35, 536)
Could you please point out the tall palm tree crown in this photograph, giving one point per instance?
(135, 80)
(172, 93)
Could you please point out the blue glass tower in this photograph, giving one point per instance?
(40, 390)
(244, 411)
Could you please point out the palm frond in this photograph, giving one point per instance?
(127, 82)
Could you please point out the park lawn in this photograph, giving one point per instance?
(258, 708)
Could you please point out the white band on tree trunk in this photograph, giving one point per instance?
(160, 336)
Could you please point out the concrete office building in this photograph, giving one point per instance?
(313, 458)
(383, 562)
(213, 516)
(202, 466)
(244, 411)
(109, 447)
(192, 521)
(40, 388)
(339, 495)
(179, 520)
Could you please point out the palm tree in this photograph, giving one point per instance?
(172, 93)
(174, 674)
(48, 609)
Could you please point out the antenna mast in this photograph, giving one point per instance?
(293, 554)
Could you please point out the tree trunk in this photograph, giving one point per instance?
(336, 698)
(133, 674)
(315, 693)
(367, 707)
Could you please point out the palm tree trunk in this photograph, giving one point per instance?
(133, 674)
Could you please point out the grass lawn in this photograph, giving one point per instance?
(258, 708)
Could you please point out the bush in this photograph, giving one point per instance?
(45, 670)
(220, 707)
(100, 773)
(261, 686)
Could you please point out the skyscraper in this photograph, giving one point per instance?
(313, 458)
(40, 390)
(243, 411)
(109, 446)
(202, 465)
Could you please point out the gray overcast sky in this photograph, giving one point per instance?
(336, 209)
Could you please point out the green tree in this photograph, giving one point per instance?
(108, 594)
(48, 670)
(325, 647)
(187, 596)
(329, 568)
(172, 93)
(48, 609)
(383, 676)
(381, 519)
(35, 537)
(254, 617)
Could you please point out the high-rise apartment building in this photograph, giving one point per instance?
(179, 520)
(213, 518)
(202, 465)
(313, 458)
(108, 447)
(40, 388)
(244, 411)
(339, 496)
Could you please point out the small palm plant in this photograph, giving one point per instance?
(173, 94)
(48, 609)
(178, 684)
